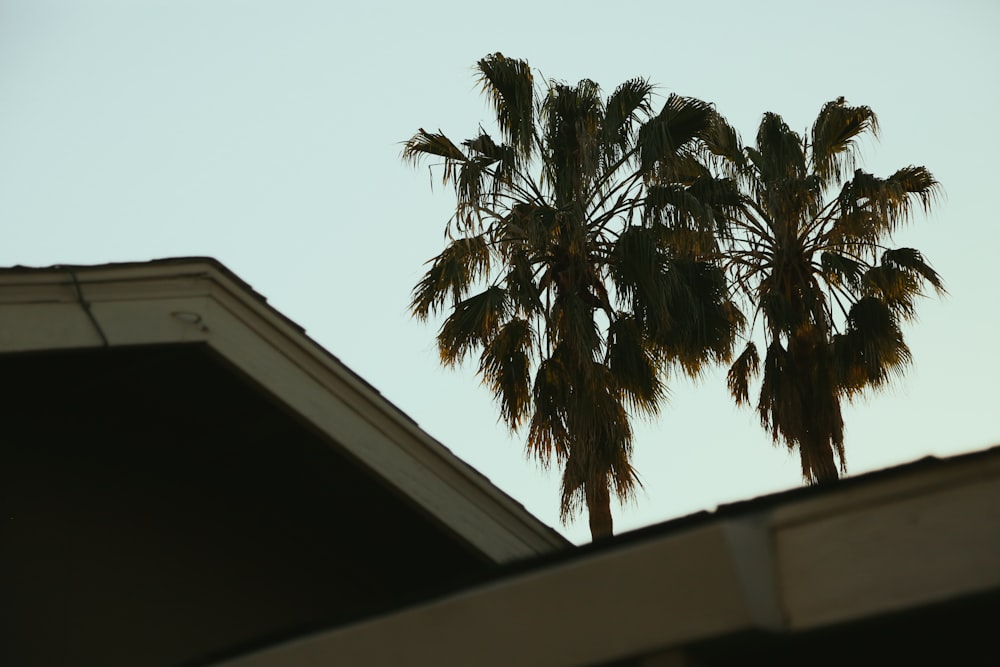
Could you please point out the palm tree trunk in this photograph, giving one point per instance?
(599, 509)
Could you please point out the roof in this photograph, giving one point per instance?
(920, 542)
(198, 300)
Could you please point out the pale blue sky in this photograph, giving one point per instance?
(267, 135)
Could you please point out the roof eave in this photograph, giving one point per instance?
(198, 300)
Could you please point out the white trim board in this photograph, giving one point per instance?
(198, 300)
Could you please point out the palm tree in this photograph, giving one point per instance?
(809, 252)
(560, 276)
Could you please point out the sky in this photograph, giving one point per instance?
(267, 134)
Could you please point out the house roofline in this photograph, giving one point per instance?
(898, 540)
(198, 299)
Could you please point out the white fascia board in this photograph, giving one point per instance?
(197, 301)
(901, 543)
(639, 599)
(48, 309)
(886, 545)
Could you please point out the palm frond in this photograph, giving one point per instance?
(601, 449)
(778, 397)
(718, 202)
(743, 369)
(509, 85)
(662, 138)
(501, 158)
(624, 108)
(684, 222)
(893, 286)
(834, 135)
(528, 227)
(572, 118)
(549, 428)
(839, 269)
(872, 350)
(911, 259)
(472, 323)
(523, 290)
(573, 322)
(506, 365)
(636, 268)
(469, 188)
(723, 146)
(790, 297)
(799, 405)
(779, 154)
(425, 144)
(451, 274)
(885, 204)
(702, 322)
(917, 182)
(634, 366)
(855, 229)
(484, 145)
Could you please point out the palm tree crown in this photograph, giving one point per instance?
(808, 252)
(561, 273)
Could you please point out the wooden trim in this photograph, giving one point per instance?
(199, 301)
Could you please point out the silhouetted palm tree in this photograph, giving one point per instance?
(563, 279)
(809, 253)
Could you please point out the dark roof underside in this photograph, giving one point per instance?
(160, 510)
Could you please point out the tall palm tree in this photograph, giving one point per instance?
(560, 276)
(809, 252)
